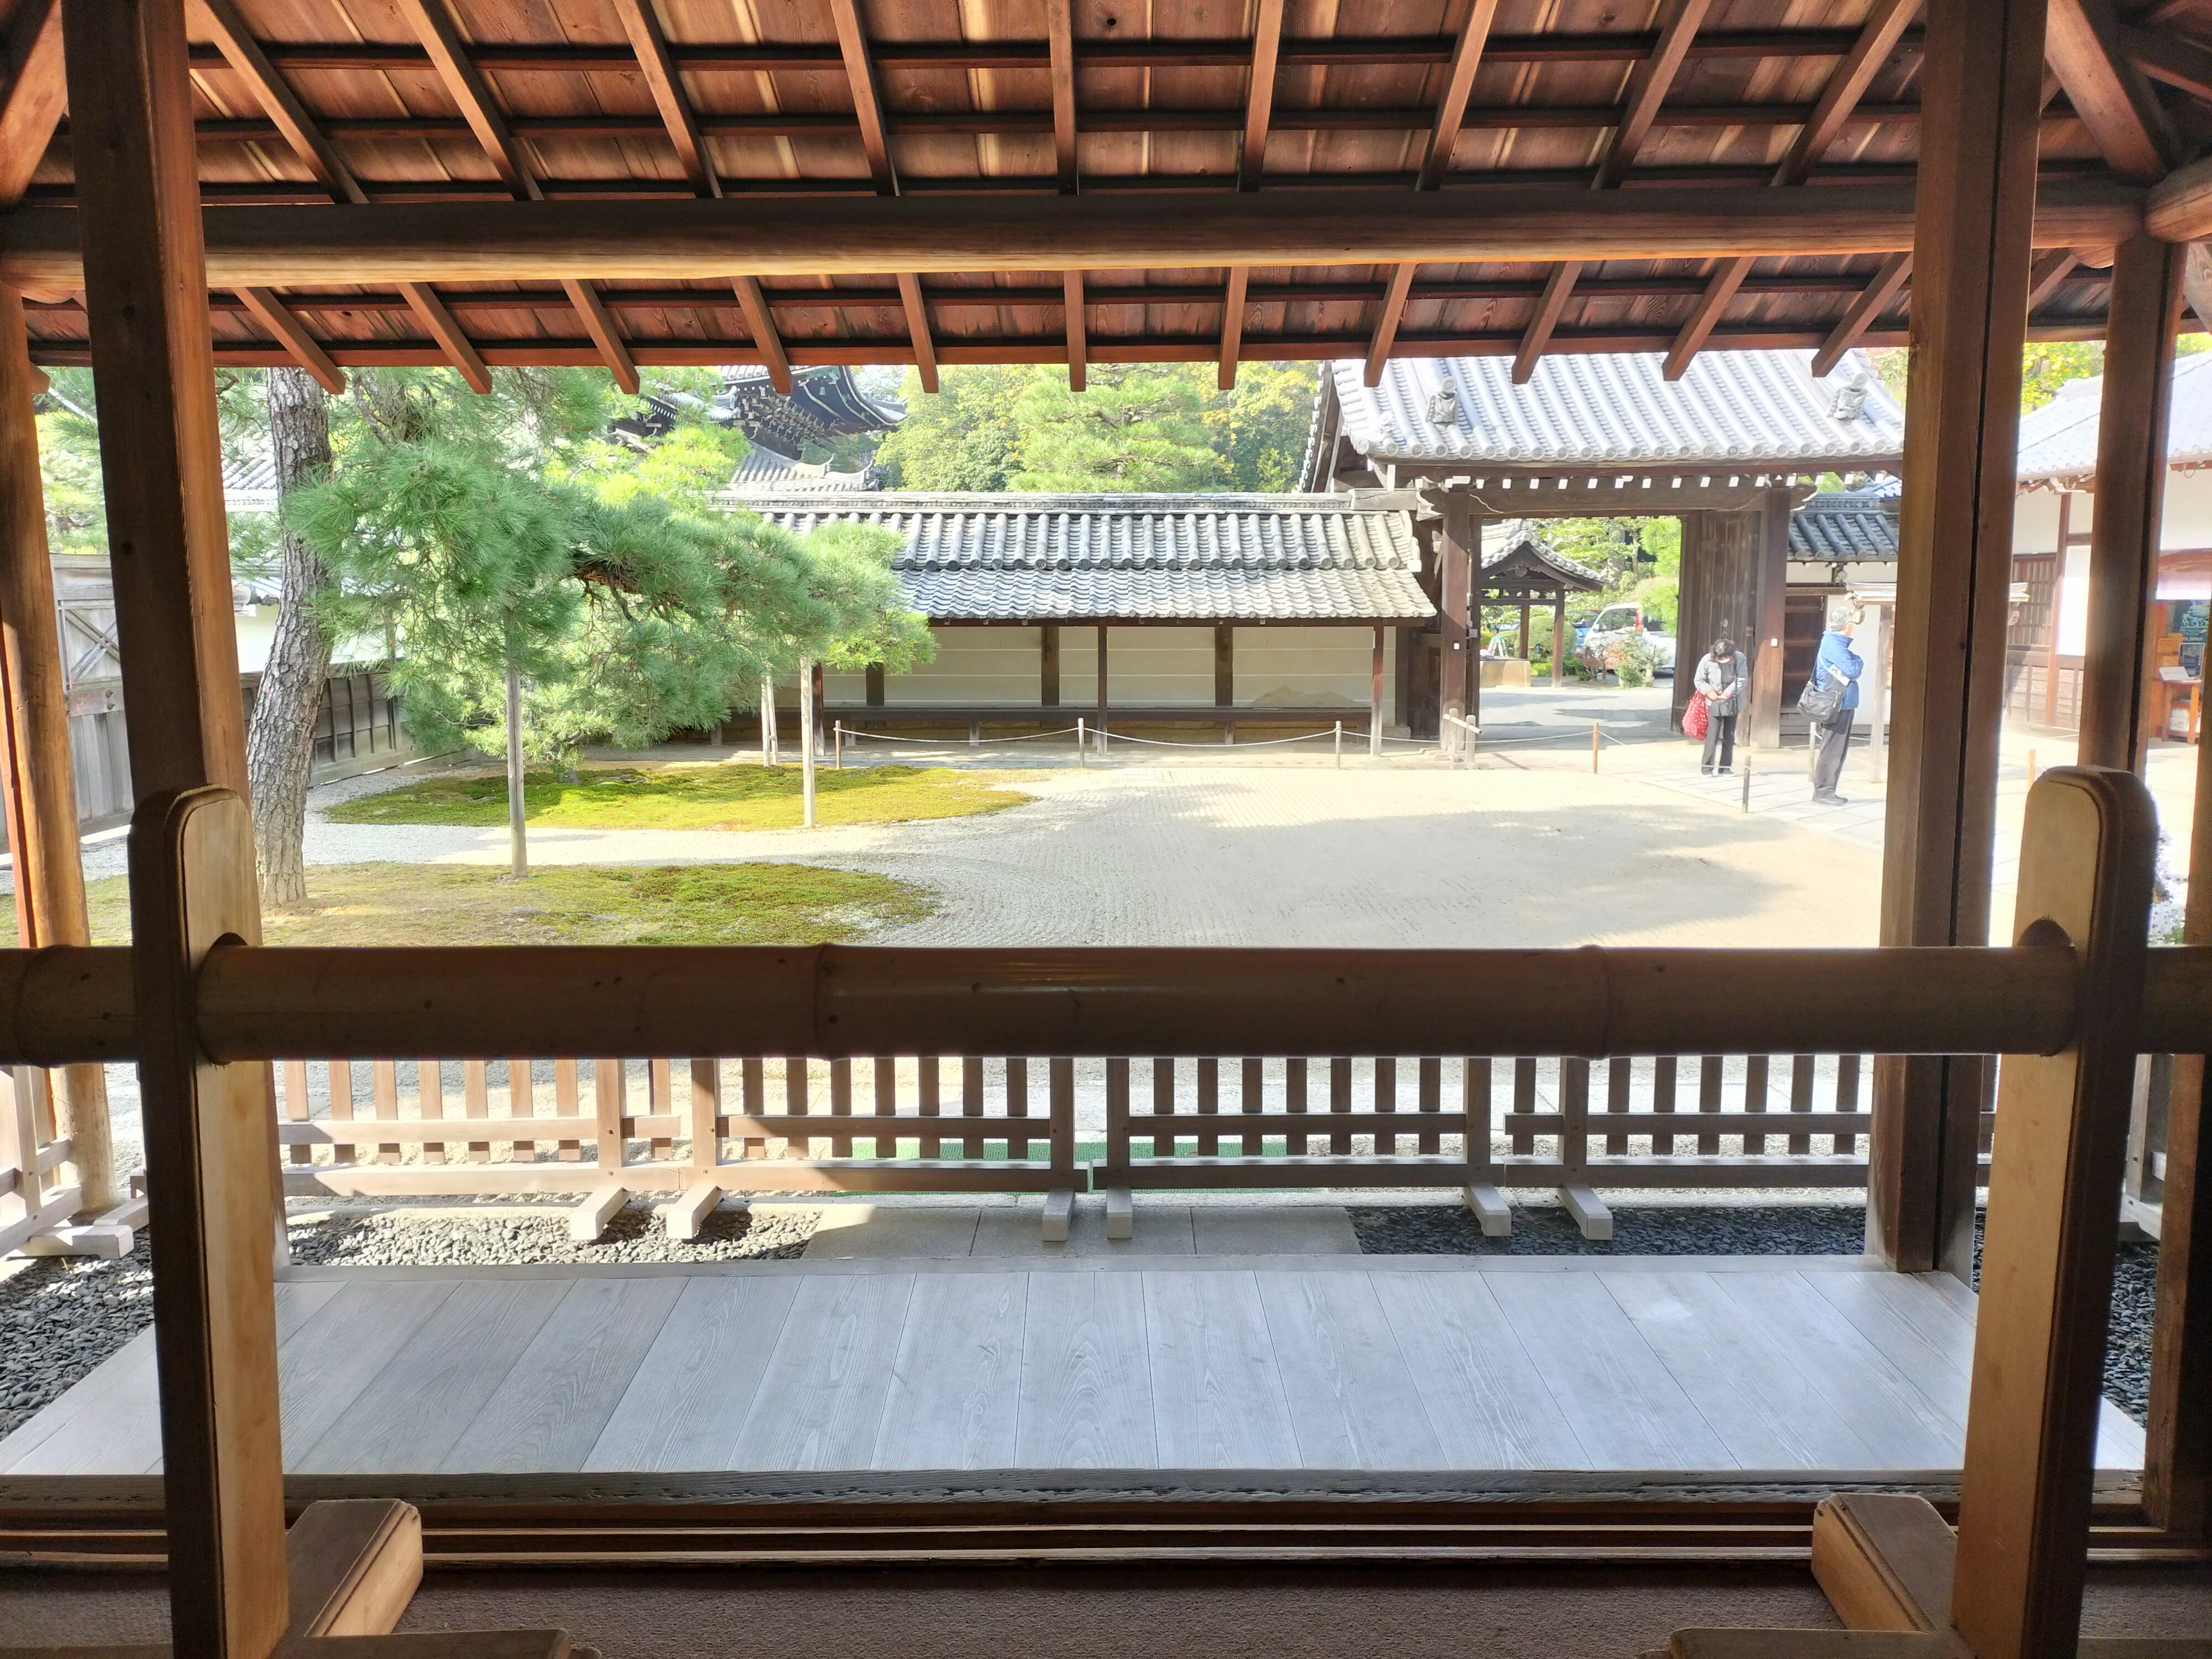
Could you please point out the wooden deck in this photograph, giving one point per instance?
(1259, 1364)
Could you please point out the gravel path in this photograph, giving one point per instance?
(1780, 1229)
(60, 1318)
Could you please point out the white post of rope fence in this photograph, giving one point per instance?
(837, 748)
(1082, 741)
(1593, 745)
(1746, 780)
(806, 739)
(1339, 743)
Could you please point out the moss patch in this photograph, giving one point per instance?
(731, 795)
(461, 904)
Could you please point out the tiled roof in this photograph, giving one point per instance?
(2059, 441)
(1503, 536)
(764, 472)
(1730, 408)
(1209, 558)
(1845, 525)
(249, 481)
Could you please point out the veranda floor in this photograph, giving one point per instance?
(1245, 1364)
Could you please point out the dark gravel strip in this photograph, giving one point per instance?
(62, 1316)
(1744, 1230)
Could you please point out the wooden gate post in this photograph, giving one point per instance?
(37, 780)
(1981, 98)
(1459, 558)
(2046, 1283)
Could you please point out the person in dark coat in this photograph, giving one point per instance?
(1723, 675)
(1837, 660)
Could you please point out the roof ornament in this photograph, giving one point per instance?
(1851, 399)
(1443, 405)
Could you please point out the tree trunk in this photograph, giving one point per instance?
(518, 835)
(280, 742)
(806, 738)
(768, 732)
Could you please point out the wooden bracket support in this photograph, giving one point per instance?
(1590, 1215)
(686, 1213)
(1120, 1214)
(1491, 1209)
(589, 1219)
(1059, 1212)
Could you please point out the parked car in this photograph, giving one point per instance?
(1617, 624)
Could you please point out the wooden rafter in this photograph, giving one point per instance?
(1079, 341)
(1059, 37)
(1872, 302)
(2108, 92)
(2049, 271)
(766, 340)
(32, 94)
(2173, 58)
(1847, 85)
(599, 323)
(274, 94)
(917, 326)
(1451, 108)
(1386, 322)
(1260, 97)
(430, 310)
(654, 61)
(1232, 324)
(867, 97)
(465, 85)
(1647, 85)
(275, 316)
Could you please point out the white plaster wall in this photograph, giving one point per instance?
(2186, 525)
(1299, 667)
(993, 666)
(257, 633)
(2035, 520)
(1146, 667)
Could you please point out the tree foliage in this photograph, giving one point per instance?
(1137, 427)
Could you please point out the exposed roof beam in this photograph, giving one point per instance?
(599, 323)
(2046, 275)
(278, 320)
(1873, 301)
(32, 94)
(1079, 333)
(430, 310)
(917, 328)
(1386, 322)
(1847, 83)
(1451, 108)
(2083, 41)
(465, 85)
(1060, 40)
(853, 236)
(1232, 324)
(1647, 85)
(867, 98)
(275, 95)
(642, 24)
(1260, 97)
(2175, 59)
(762, 326)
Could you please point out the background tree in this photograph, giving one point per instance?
(1133, 427)
(963, 437)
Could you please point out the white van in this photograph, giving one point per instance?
(1616, 624)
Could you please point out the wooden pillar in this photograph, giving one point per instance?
(1102, 687)
(1559, 638)
(875, 685)
(210, 1133)
(817, 701)
(1981, 96)
(2057, 605)
(2119, 660)
(1694, 620)
(1049, 665)
(1459, 556)
(1769, 603)
(1524, 630)
(2054, 1215)
(2177, 1453)
(1375, 701)
(37, 784)
(1224, 665)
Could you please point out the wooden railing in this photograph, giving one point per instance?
(33, 1201)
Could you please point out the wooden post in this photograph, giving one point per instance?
(2057, 605)
(1102, 688)
(1224, 665)
(1049, 665)
(2119, 664)
(874, 680)
(2177, 1454)
(807, 682)
(1524, 630)
(1374, 701)
(1459, 556)
(518, 835)
(818, 700)
(2046, 1280)
(1981, 98)
(1769, 602)
(37, 784)
(1876, 679)
(210, 1131)
(1560, 639)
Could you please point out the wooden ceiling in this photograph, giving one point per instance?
(1157, 116)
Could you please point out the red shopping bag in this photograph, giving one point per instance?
(1695, 719)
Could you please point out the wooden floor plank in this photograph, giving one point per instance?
(1625, 1407)
(550, 1408)
(955, 1396)
(1351, 1397)
(1217, 1401)
(689, 1398)
(822, 1400)
(1746, 1384)
(1486, 1401)
(415, 1409)
(1916, 1330)
(330, 1361)
(1087, 1390)
(1864, 1388)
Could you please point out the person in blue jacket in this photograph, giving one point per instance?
(1837, 660)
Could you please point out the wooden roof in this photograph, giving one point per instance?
(1297, 129)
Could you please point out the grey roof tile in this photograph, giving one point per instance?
(1844, 525)
(2059, 441)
